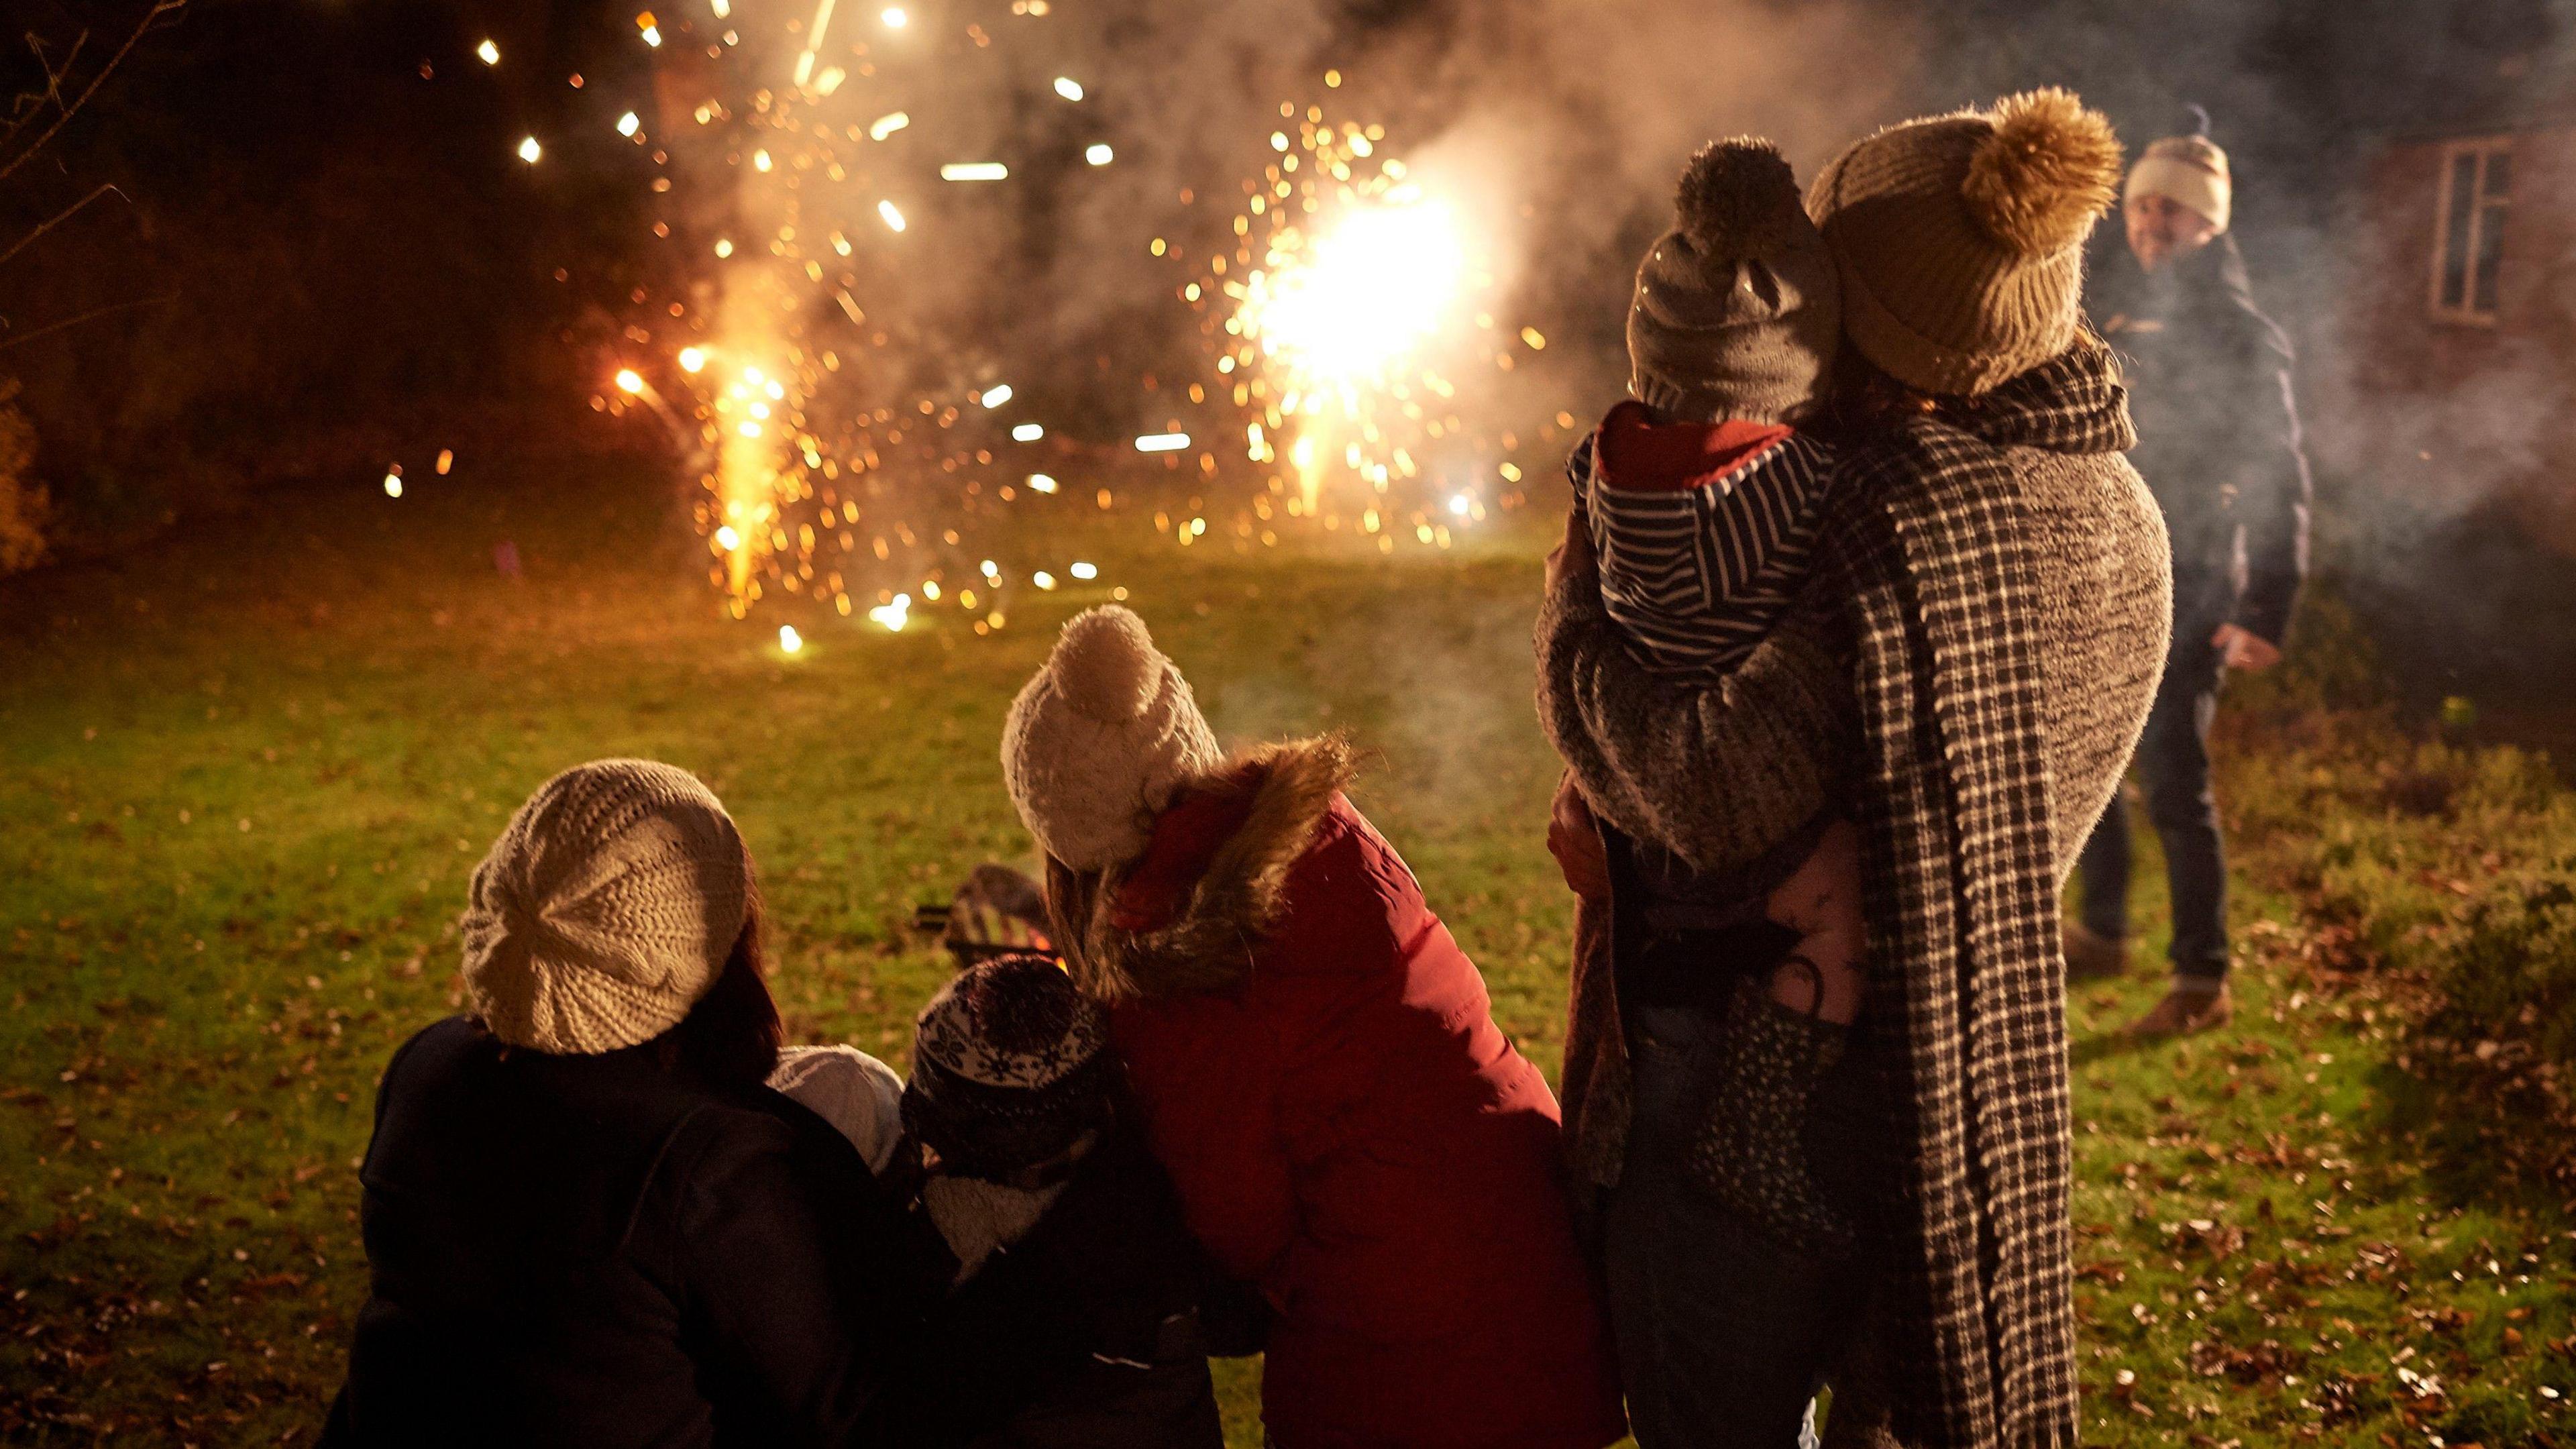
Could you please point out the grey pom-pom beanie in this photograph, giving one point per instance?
(1737, 309)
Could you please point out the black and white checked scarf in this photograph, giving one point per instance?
(1976, 1334)
(1696, 576)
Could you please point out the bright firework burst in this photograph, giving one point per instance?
(854, 455)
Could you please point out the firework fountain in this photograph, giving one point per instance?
(840, 365)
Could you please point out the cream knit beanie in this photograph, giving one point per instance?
(1736, 312)
(1098, 740)
(605, 910)
(1961, 237)
(2187, 169)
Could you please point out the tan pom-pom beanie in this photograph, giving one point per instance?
(1099, 739)
(606, 909)
(1961, 237)
(1736, 312)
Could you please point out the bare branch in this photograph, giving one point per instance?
(91, 315)
(58, 218)
(66, 112)
(29, 104)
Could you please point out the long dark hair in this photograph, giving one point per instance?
(1866, 400)
(730, 1039)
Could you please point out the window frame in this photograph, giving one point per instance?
(2484, 149)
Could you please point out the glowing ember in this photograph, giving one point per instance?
(491, 53)
(1028, 432)
(393, 481)
(1041, 483)
(974, 171)
(1162, 442)
(446, 459)
(529, 150)
(996, 395)
(894, 18)
(893, 615)
(628, 124)
(887, 124)
(1084, 571)
(1069, 88)
(893, 218)
(789, 640)
(629, 380)
(1099, 154)
(692, 359)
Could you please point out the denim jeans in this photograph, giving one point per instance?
(2173, 766)
(1723, 1335)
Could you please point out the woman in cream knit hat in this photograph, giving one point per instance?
(587, 1219)
(1965, 678)
(1315, 1064)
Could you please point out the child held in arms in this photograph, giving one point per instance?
(1068, 1241)
(1702, 496)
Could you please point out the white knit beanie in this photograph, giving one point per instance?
(606, 909)
(1099, 739)
(2190, 170)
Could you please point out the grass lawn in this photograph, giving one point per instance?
(243, 776)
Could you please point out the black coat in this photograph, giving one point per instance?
(2218, 431)
(590, 1250)
(1097, 1314)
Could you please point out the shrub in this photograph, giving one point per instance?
(2502, 1030)
(23, 504)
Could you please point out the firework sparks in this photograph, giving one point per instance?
(845, 462)
(1344, 304)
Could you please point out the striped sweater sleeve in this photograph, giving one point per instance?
(1721, 772)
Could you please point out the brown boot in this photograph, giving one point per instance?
(2185, 1011)
(2094, 958)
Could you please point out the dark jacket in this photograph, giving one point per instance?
(2218, 431)
(1104, 1295)
(590, 1250)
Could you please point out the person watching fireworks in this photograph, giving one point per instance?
(2219, 445)
(1701, 496)
(1963, 677)
(1316, 1065)
(587, 1219)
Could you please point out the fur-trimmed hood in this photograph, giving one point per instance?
(1185, 917)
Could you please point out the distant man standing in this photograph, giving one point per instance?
(2218, 443)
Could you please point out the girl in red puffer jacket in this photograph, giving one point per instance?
(1317, 1065)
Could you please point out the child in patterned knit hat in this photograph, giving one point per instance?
(1045, 1194)
(1702, 496)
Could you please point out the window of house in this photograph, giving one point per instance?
(2477, 186)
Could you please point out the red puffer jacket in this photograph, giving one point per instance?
(1321, 1075)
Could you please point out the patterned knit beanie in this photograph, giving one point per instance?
(606, 909)
(1961, 237)
(1736, 311)
(1099, 739)
(1010, 1068)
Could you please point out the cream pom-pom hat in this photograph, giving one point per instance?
(1100, 738)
